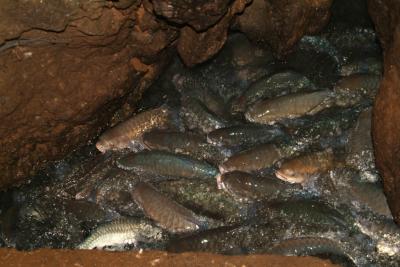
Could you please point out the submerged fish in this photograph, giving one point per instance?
(197, 116)
(247, 186)
(167, 213)
(185, 143)
(308, 246)
(371, 65)
(278, 84)
(245, 135)
(289, 106)
(301, 168)
(127, 134)
(167, 164)
(254, 159)
(350, 90)
(371, 195)
(309, 212)
(360, 153)
(122, 232)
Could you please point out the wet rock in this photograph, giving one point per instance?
(63, 64)
(280, 24)
(386, 132)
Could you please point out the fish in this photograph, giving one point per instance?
(370, 195)
(275, 85)
(371, 65)
(309, 246)
(127, 134)
(166, 164)
(360, 152)
(191, 144)
(245, 135)
(196, 116)
(302, 168)
(254, 159)
(121, 232)
(309, 211)
(167, 213)
(352, 89)
(290, 106)
(248, 187)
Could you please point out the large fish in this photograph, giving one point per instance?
(254, 159)
(185, 143)
(127, 134)
(289, 106)
(371, 65)
(302, 168)
(352, 89)
(245, 135)
(161, 163)
(167, 213)
(196, 116)
(278, 84)
(248, 187)
(121, 232)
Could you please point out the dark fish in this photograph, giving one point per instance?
(371, 65)
(360, 152)
(308, 246)
(289, 106)
(167, 164)
(352, 89)
(302, 168)
(127, 134)
(371, 195)
(196, 116)
(185, 143)
(309, 212)
(245, 135)
(121, 232)
(254, 159)
(167, 213)
(247, 186)
(276, 85)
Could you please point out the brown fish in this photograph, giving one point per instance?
(301, 168)
(289, 106)
(167, 213)
(127, 134)
(253, 159)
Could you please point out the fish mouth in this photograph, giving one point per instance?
(220, 184)
(100, 147)
(290, 179)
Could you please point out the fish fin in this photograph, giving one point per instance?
(136, 145)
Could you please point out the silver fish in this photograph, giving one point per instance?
(121, 232)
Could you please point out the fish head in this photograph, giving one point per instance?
(289, 174)
(103, 145)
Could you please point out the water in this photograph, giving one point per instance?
(65, 202)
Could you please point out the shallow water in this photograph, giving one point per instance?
(64, 203)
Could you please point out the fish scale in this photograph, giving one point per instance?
(120, 232)
(167, 213)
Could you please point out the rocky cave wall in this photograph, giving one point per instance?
(386, 124)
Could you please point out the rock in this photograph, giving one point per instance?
(386, 129)
(280, 24)
(62, 65)
(71, 68)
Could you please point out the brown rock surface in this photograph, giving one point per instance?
(386, 126)
(66, 66)
(53, 257)
(280, 24)
(61, 67)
